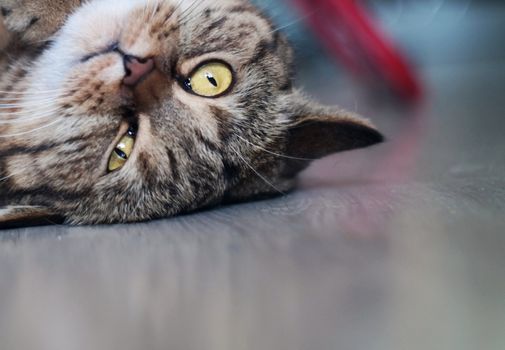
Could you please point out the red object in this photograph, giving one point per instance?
(351, 35)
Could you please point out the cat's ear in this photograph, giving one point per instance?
(315, 132)
(24, 216)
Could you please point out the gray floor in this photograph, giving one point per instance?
(400, 247)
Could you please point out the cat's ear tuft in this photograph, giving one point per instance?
(25, 216)
(315, 132)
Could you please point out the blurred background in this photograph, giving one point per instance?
(401, 246)
(429, 33)
(430, 73)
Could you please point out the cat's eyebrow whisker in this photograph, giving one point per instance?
(153, 6)
(174, 9)
(256, 171)
(178, 6)
(294, 22)
(189, 8)
(273, 153)
(186, 14)
(153, 11)
(31, 131)
(144, 11)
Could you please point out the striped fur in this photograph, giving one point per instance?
(63, 108)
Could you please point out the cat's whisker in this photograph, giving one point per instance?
(5, 178)
(30, 107)
(14, 121)
(21, 101)
(31, 131)
(21, 106)
(27, 120)
(11, 207)
(29, 93)
(31, 104)
(31, 97)
(29, 83)
(57, 94)
(30, 111)
(244, 123)
(273, 153)
(256, 171)
(14, 95)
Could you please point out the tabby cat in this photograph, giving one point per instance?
(117, 111)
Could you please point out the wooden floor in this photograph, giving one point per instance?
(399, 247)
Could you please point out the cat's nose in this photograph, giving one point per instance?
(136, 69)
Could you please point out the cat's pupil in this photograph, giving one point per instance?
(211, 79)
(187, 85)
(121, 154)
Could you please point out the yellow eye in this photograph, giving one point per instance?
(212, 79)
(122, 151)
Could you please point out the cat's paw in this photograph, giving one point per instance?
(35, 20)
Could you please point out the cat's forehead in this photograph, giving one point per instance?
(222, 26)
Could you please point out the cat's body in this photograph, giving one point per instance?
(74, 86)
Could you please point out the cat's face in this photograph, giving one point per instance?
(148, 108)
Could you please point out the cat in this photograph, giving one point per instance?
(117, 111)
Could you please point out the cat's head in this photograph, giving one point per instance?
(146, 109)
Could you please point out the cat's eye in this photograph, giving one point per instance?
(122, 151)
(211, 79)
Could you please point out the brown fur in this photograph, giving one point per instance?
(61, 117)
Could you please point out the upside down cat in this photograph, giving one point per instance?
(129, 110)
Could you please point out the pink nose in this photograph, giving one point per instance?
(137, 69)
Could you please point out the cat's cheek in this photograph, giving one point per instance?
(96, 87)
(46, 169)
(203, 113)
(21, 165)
(112, 95)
